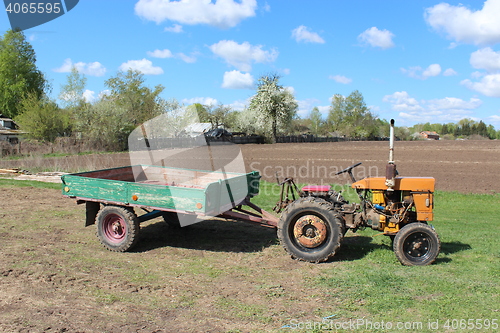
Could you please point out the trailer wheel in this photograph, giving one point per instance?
(310, 230)
(117, 228)
(416, 244)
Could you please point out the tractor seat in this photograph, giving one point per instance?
(316, 188)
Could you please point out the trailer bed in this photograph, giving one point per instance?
(163, 188)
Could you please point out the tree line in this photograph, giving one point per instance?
(129, 102)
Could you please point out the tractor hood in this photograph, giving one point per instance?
(415, 184)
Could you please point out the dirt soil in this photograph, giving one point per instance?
(469, 166)
(56, 277)
(462, 166)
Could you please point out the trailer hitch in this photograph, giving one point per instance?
(288, 187)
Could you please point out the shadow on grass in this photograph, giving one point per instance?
(454, 247)
(212, 235)
(357, 247)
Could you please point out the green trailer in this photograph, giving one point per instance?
(181, 196)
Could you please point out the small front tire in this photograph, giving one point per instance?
(416, 244)
(117, 228)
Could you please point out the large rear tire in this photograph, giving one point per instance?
(416, 244)
(309, 229)
(117, 228)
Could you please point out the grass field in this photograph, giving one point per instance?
(233, 277)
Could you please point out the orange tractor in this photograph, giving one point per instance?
(314, 222)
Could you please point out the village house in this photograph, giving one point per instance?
(428, 135)
(9, 131)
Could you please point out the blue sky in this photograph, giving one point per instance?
(415, 61)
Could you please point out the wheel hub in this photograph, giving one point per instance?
(114, 228)
(117, 228)
(417, 246)
(310, 231)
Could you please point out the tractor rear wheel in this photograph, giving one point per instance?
(309, 229)
(117, 228)
(416, 244)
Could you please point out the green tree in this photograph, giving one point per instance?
(139, 102)
(203, 115)
(274, 105)
(72, 91)
(316, 120)
(19, 75)
(42, 119)
(350, 116)
(218, 115)
(105, 124)
(482, 129)
(491, 132)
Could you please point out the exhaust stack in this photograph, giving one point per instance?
(390, 169)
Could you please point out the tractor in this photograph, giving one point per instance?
(315, 219)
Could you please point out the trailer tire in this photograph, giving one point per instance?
(416, 244)
(117, 228)
(310, 230)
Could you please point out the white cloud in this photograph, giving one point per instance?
(476, 74)
(432, 70)
(201, 100)
(144, 66)
(91, 68)
(450, 72)
(242, 55)
(219, 13)
(445, 110)
(340, 79)
(461, 24)
(302, 34)
(418, 72)
(176, 28)
(488, 86)
(401, 101)
(377, 38)
(237, 80)
(89, 96)
(189, 59)
(453, 104)
(485, 59)
(306, 105)
(105, 92)
(494, 119)
(166, 53)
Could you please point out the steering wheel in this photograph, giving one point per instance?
(348, 169)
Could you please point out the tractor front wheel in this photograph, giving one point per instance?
(117, 228)
(416, 244)
(310, 230)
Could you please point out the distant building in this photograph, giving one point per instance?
(196, 129)
(9, 131)
(428, 135)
